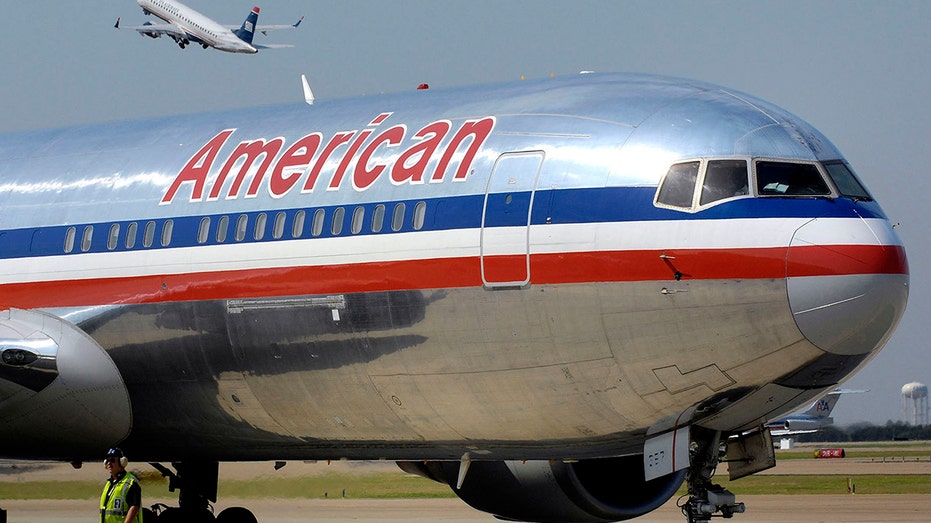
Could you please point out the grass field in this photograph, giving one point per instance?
(383, 484)
(374, 486)
(830, 484)
(387, 486)
(854, 453)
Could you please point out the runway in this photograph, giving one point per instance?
(834, 508)
(760, 509)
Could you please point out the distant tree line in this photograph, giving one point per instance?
(891, 431)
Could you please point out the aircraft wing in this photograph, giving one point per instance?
(264, 28)
(786, 432)
(272, 27)
(154, 30)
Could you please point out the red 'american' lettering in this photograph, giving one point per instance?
(361, 156)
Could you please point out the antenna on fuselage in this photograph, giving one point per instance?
(308, 94)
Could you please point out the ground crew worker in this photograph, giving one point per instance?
(121, 500)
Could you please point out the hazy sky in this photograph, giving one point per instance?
(858, 71)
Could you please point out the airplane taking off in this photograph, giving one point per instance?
(560, 297)
(815, 418)
(185, 25)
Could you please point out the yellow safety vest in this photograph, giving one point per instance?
(114, 509)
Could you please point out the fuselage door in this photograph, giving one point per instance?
(505, 240)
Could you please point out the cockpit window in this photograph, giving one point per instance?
(789, 179)
(724, 179)
(847, 184)
(679, 185)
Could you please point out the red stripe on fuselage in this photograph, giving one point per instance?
(560, 268)
(817, 260)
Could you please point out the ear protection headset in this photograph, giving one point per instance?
(115, 452)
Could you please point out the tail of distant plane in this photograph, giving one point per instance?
(822, 408)
(816, 417)
(247, 31)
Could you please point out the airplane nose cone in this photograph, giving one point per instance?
(847, 282)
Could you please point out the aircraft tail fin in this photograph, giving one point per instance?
(823, 407)
(247, 31)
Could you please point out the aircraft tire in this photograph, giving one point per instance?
(236, 515)
(177, 515)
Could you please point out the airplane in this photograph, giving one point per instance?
(185, 25)
(560, 297)
(815, 418)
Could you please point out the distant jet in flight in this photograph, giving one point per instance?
(185, 25)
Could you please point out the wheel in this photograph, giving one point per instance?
(236, 515)
(176, 515)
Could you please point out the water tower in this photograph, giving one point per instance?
(915, 403)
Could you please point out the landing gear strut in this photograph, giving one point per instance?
(196, 482)
(706, 499)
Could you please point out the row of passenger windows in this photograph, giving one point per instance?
(259, 226)
(698, 183)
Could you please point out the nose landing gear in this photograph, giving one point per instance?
(196, 483)
(706, 499)
(746, 453)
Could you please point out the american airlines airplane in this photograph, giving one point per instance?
(563, 298)
(815, 418)
(185, 25)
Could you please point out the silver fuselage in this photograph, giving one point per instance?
(531, 300)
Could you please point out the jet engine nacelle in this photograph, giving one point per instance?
(151, 34)
(587, 491)
(58, 389)
(804, 424)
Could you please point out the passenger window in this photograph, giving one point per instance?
(131, 235)
(678, 186)
(337, 226)
(847, 184)
(724, 179)
(378, 218)
(242, 223)
(789, 179)
(204, 230)
(114, 236)
(260, 222)
(316, 228)
(278, 229)
(358, 216)
(397, 219)
(420, 212)
(167, 228)
(222, 227)
(297, 228)
(148, 235)
(69, 239)
(87, 237)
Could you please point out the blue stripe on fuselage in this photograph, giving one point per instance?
(614, 204)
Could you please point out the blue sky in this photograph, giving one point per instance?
(858, 71)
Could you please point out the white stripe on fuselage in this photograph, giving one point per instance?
(747, 233)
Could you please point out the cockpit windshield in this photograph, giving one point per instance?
(678, 187)
(724, 179)
(693, 185)
(847, 184)
(789, 179)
